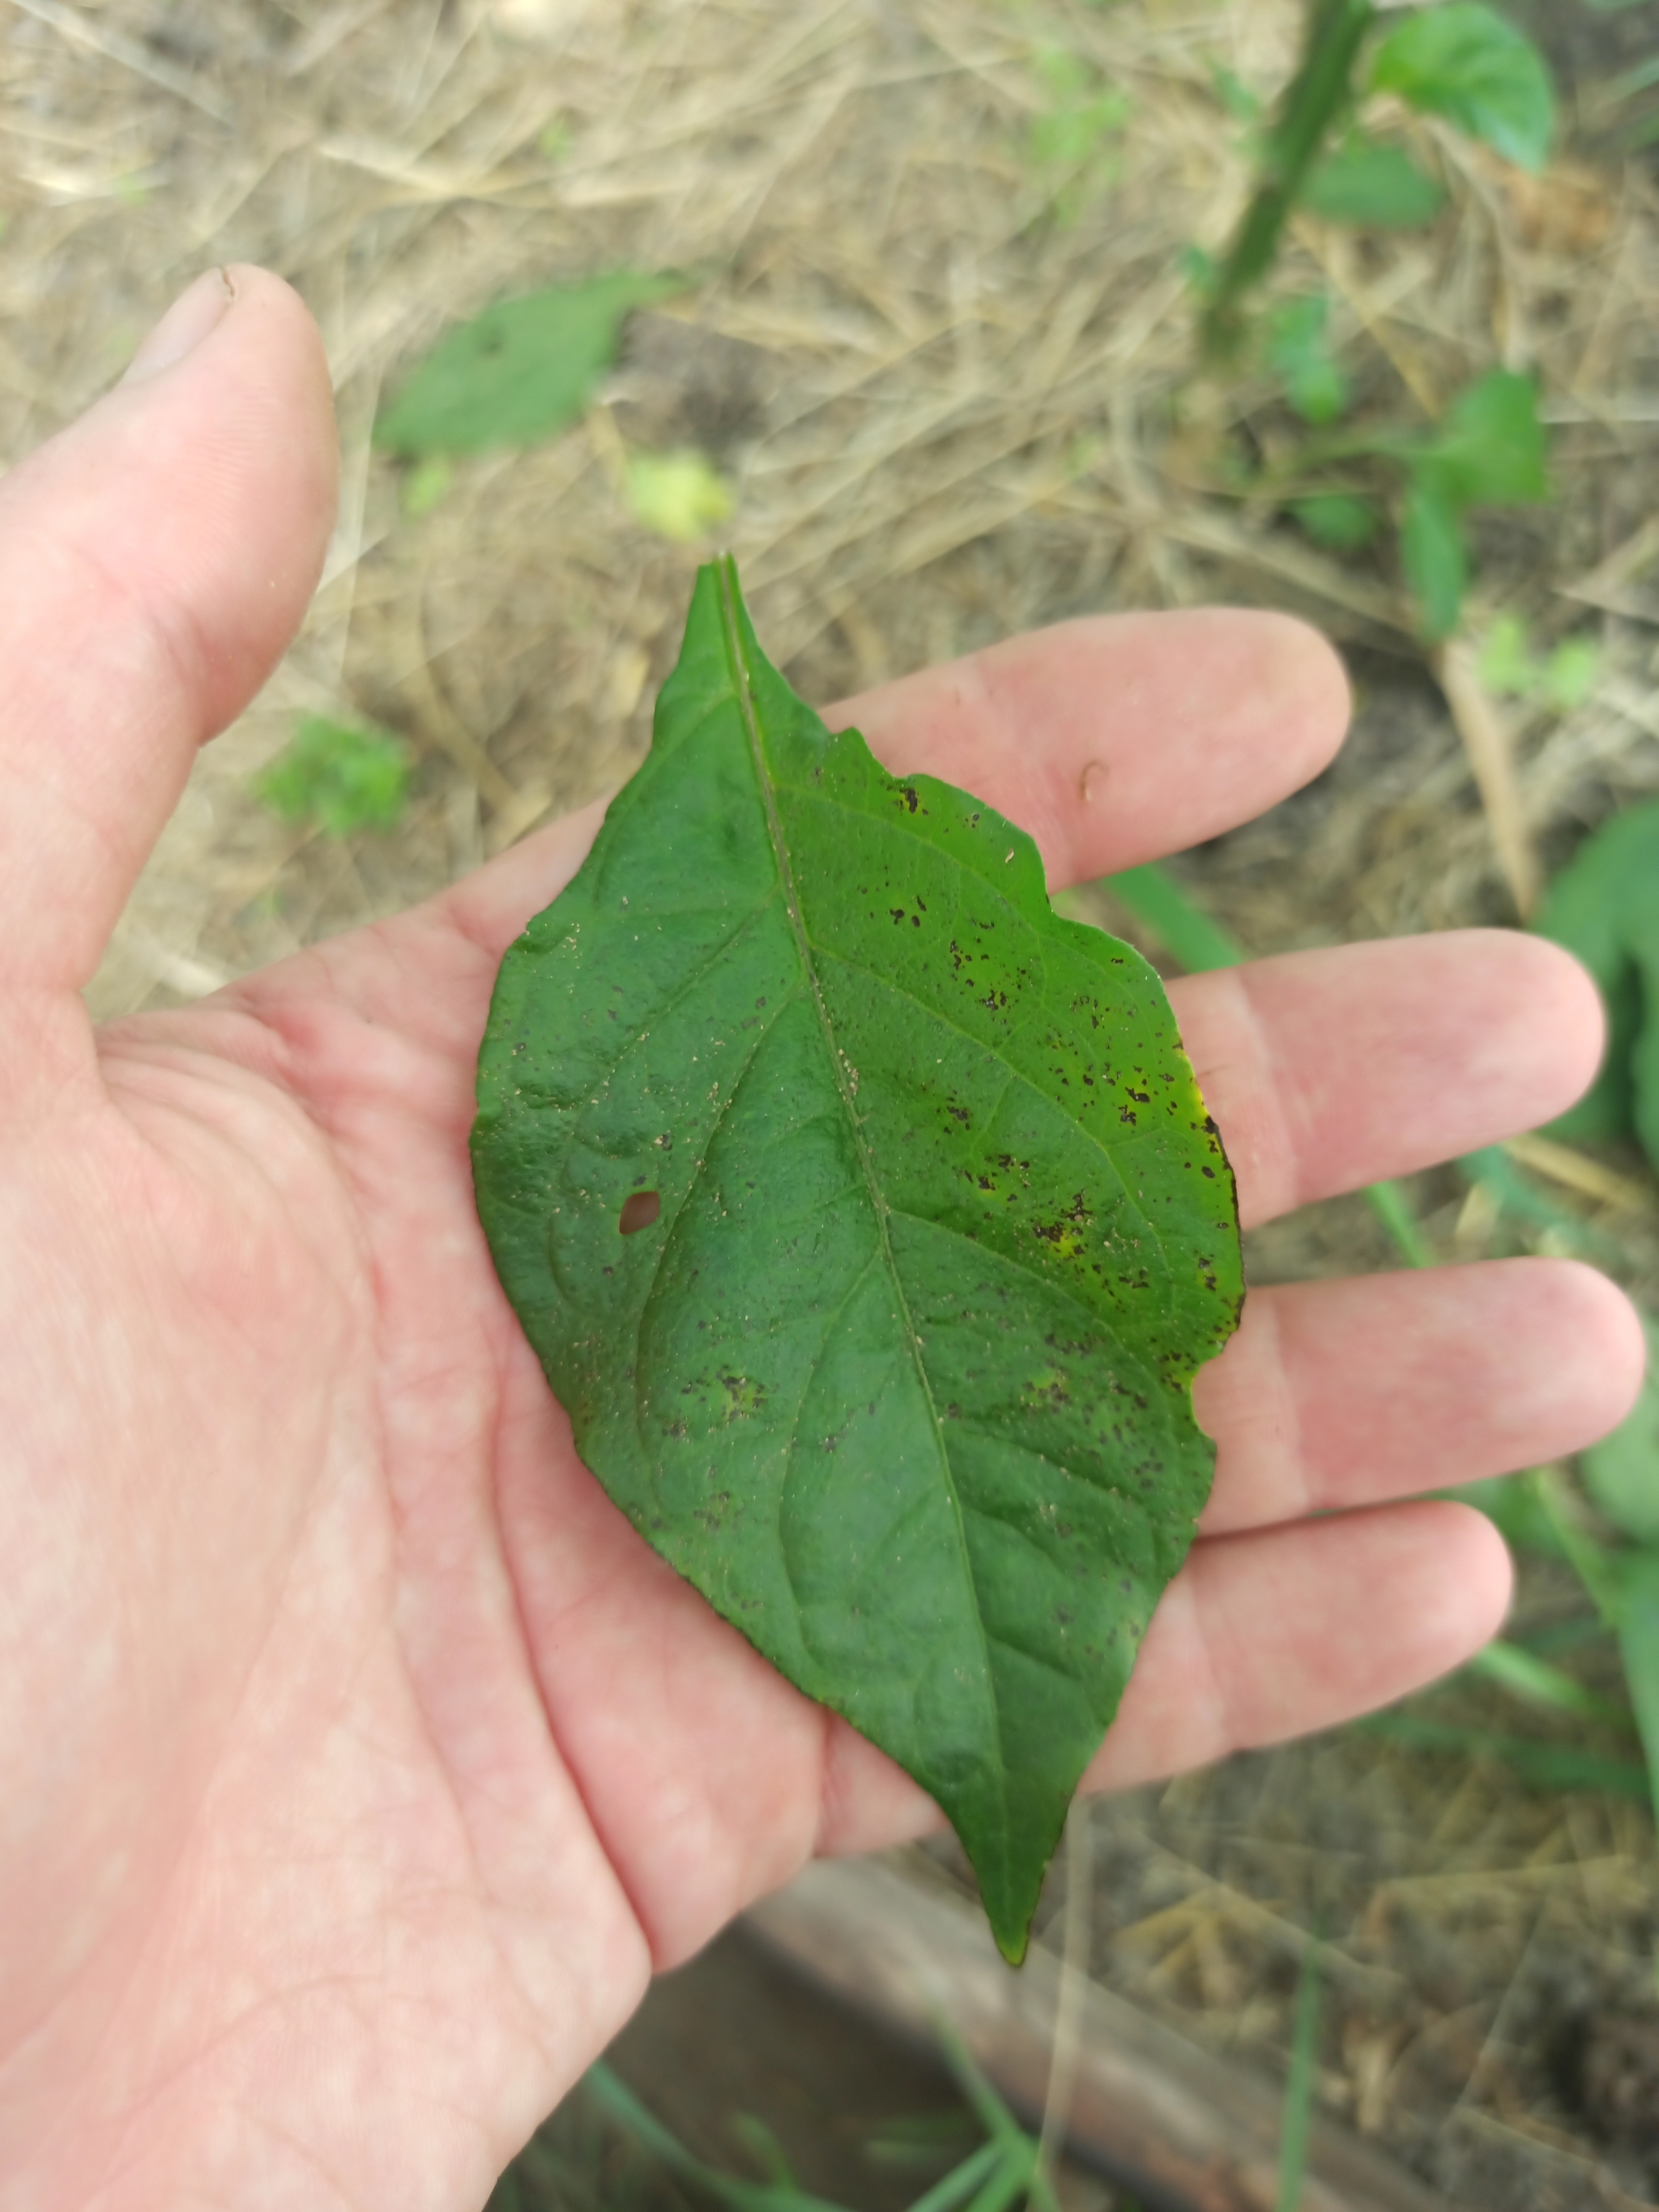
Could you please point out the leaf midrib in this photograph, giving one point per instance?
(791, 905)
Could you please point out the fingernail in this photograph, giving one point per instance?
(197, 311)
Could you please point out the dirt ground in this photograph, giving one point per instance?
(947, 411)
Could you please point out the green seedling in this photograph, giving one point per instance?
(339, 776)
(521, 371)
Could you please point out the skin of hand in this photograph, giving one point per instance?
(359, 1763)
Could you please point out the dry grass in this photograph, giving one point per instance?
(946, 415)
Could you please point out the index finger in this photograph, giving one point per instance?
(1117, 738)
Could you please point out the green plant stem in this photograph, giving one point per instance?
(1299, 2087)
(1387, 1202)
(1317, 95)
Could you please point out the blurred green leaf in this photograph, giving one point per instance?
(1523, 1675)
(1337, 519)
(1512, 1503)
(1300, 354)
(1199, 268)
(1622, 1473)
(519, 372)
(1074, 137)
(1469, 64)
(1235, 95)
(680, 496)
(1435, 557)
(1506, 666)
(1372, 184)
(1604, 909)
(1571, 673)
(342, 777)
(1561, 1766)
(1489, 449)
(1182, 928)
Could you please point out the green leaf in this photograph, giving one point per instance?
(341, 777)
(1299, 352)
(1604, 909)
(1435, 557)
(519, 372)
(1491, 449)
(1373, 185)
(1622, 1473)
(1471, 65)
(870, 1227)
(680, 496)
(1337, 519)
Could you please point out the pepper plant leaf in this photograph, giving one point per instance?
(869, 1225)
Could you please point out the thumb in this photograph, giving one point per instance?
(155, 560)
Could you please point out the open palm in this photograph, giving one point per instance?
(358, 1763)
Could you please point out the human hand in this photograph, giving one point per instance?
(359, 1764)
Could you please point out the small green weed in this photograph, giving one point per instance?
(339, 776)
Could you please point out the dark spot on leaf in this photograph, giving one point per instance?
(640, 1209)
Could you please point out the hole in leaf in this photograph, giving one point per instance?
(640, 1209)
